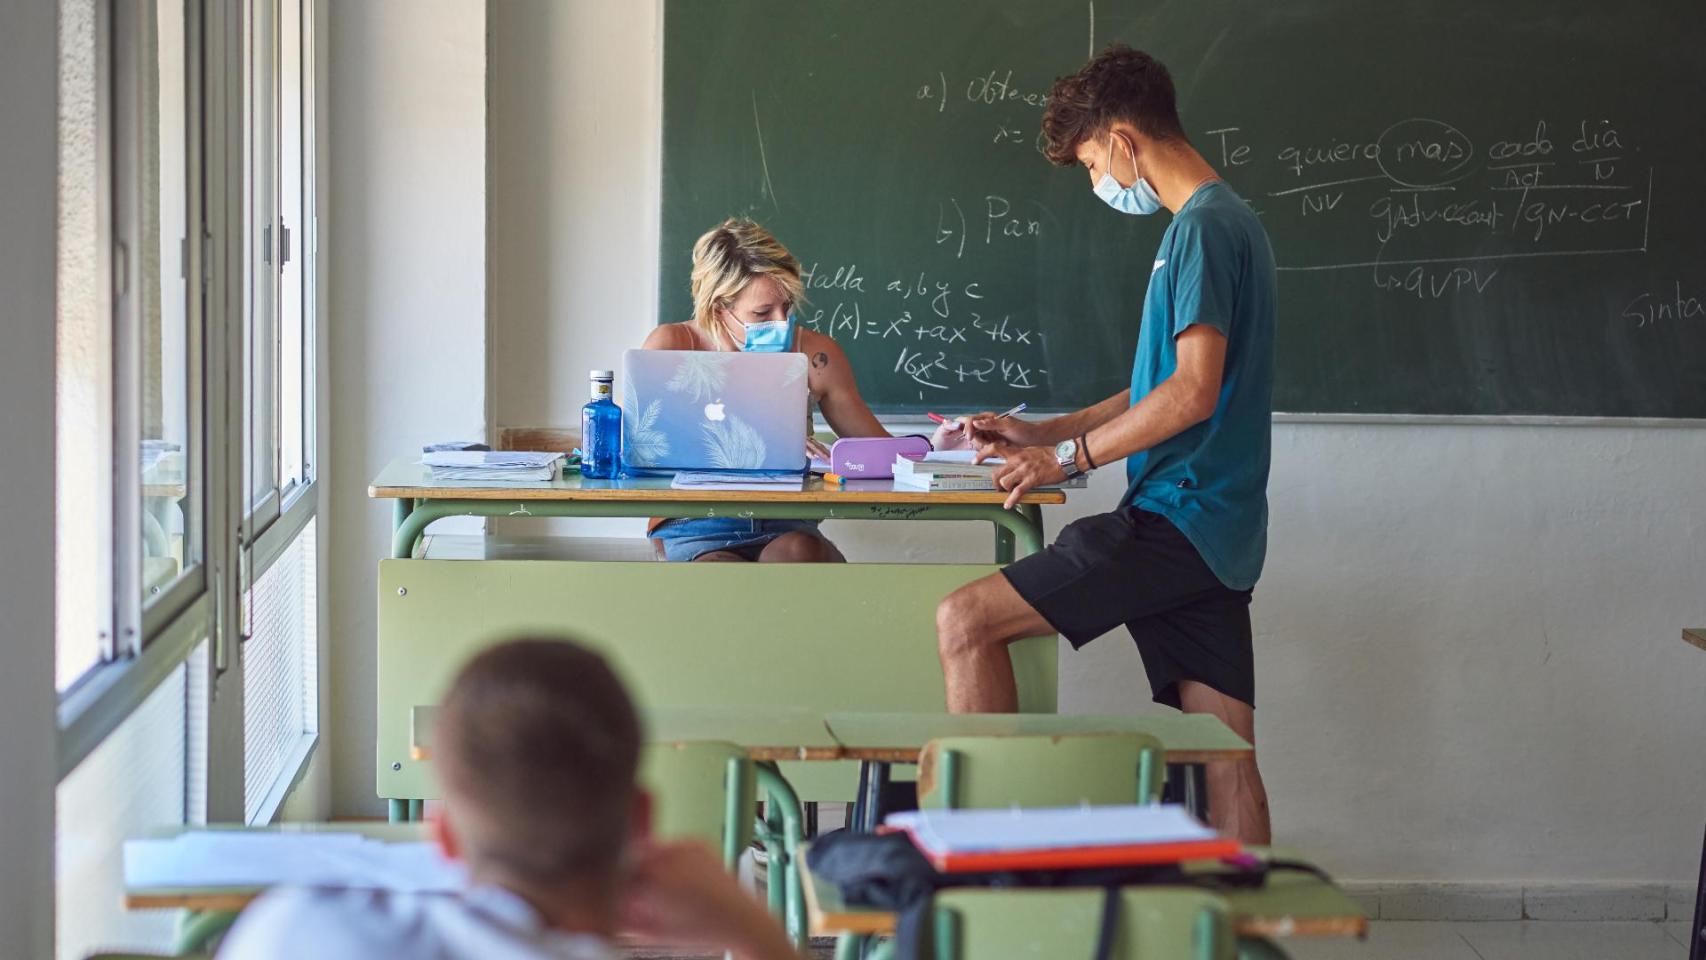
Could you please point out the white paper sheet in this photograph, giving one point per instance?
(971, 831)
(712, 480)
(244, 858)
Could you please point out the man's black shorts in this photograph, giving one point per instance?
(1134, 567)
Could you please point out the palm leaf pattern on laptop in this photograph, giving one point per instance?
(733, 445)
(701, 374)
(645, 443)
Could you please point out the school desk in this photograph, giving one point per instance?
(878, 740)
(210, 911)
(858, 636)
(772, 734)
(1291, 904)
(1697, 943)
(418, 500)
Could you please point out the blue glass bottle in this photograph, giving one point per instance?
(601, 431)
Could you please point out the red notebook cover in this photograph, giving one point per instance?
(1068, 858)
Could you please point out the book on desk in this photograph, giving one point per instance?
(961, 841)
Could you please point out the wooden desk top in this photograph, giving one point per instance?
(233, 899)
(1290, 905)
(897, 737)
(407, 478)
(1696, 637)
(767, 733)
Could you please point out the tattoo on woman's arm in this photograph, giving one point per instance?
(820, 360)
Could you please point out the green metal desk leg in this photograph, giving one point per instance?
(398, 811)
(400, 510)
(848, 946)
(1003, 546)
(197, 930)
(417, 811)
(1033, 514)
(781, 798)
(775, 868)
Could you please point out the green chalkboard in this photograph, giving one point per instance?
(1478, 206)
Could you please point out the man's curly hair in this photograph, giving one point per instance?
(1119, 84)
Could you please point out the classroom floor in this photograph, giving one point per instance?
(1504, 940)
(1483, 940)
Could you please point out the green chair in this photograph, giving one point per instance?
(707, 790)
(704, 790)
(1173, 923)
(1049, 771)
(1065, 771)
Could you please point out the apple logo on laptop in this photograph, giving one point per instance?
(714, 411)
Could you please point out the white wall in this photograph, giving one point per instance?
(1468, 637)
(405, 323)
(29, 71)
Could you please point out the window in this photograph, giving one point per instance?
(279, 612)
(278, 293)
(83, 349)
(186, 535)
(159, 308)
(131, 534)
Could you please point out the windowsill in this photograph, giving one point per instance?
(295, 770)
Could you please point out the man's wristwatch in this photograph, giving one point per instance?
(1066, 453)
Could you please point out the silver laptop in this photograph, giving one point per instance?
(699, 410)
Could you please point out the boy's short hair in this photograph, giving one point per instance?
(536, 745)
(1118, 84)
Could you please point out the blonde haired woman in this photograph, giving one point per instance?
(745, 288)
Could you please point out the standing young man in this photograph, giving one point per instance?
(1176, 560)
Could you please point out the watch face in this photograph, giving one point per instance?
(1066, 449)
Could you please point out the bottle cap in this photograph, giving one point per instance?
(603, 374)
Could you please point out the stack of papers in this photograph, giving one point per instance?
(502, 466)
(956, 840)
(762, 480)
(246, 858)
(955, 470)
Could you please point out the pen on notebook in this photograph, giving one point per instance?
(1016, 410)
(944, 421)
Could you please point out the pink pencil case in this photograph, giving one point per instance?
(872, 458)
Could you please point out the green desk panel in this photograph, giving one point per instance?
(826, 637)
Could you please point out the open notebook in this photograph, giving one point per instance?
(957, 841)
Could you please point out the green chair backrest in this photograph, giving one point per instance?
(1046, 771)
(704, 790)
(1155, 923)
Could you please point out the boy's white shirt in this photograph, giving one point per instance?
(321, 923)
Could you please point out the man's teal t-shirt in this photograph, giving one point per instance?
(1214, 267)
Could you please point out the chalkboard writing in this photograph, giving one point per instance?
(1475, 208)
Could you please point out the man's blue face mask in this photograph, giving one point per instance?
(1139, 198)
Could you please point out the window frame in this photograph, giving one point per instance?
(144, 641)
(234, 543)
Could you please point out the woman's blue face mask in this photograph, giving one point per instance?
(768, 336)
